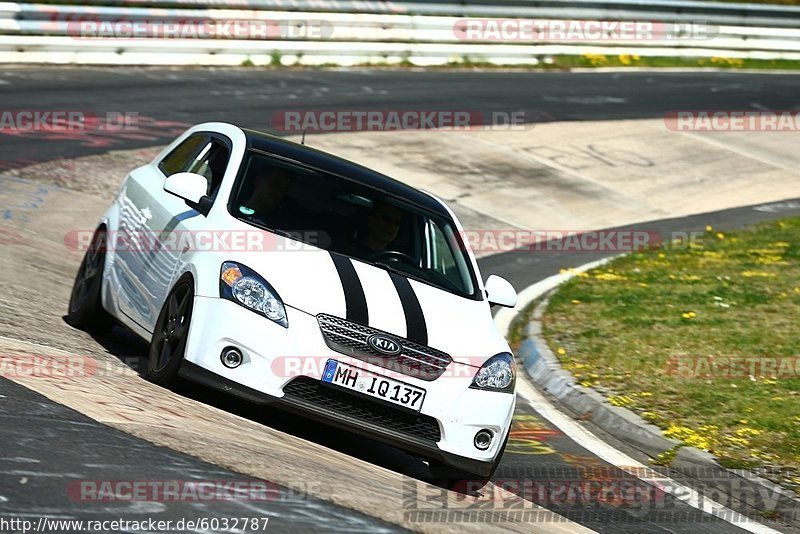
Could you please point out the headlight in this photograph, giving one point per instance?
(244, 286)
(499, 373)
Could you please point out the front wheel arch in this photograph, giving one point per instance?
(170, 338)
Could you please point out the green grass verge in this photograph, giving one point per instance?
(588, 61)
(645, 329)
(625, 60)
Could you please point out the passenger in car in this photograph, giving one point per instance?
(268, 200)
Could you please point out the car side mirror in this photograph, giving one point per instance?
(190, 187)
(500, 292)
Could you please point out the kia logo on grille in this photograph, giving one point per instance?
(384, 345)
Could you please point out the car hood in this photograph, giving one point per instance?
(316, 282)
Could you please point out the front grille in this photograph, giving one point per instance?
(343, 404)
(414, 359)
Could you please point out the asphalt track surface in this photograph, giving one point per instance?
(168, 100)
(44, 441)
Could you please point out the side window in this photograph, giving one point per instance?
(202, 155)
(442, 241)
(441, 257)
(178, 160)
(211, 162)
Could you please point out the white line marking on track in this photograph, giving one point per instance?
(606, 452)
(598, 447)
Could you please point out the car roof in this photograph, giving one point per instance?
(326, 162)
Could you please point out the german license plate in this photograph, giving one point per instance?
(387, 389)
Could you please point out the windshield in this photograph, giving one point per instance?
(346, 217)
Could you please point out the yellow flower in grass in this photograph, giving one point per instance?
(561, 350)
(709, 228)
(620, 400)
(747, 432)
(720, 235)
(689, 436)
(757, 274)
(596, 59)
(737, 442)
(650, 416)
(608, 276)
(689, 315)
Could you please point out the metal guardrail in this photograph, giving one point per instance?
(732, 13)
(385, 32)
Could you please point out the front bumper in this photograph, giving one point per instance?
(283, 366)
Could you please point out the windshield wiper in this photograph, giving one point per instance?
(392, 268)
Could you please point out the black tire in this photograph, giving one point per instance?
(460, 480)
(85, 309)
(171, 333)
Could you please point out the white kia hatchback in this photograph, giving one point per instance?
(288, 276)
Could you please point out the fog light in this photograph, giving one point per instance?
(483, 439)
(232, 357)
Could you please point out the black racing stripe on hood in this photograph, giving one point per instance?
(416, 329)
(354, 297)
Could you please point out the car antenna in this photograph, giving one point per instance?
(303, 139)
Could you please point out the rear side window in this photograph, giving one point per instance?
(201, 155)
(182, 155)
(211, 162)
